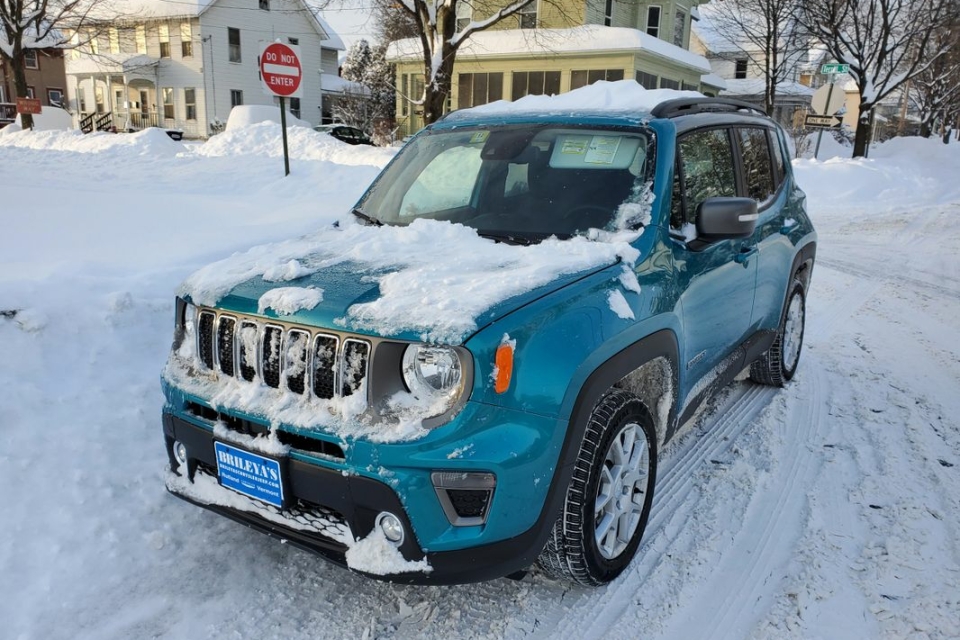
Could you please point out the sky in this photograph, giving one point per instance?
(351, 19)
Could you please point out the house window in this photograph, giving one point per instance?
(55, 97)
(608, 13)
(168, 111)
(233, 40)
(653, 21)
(528, 16)
(411, 88)
(679, 27)
(186, 40)
(464, 15)
(293, 41)
(141, 39)
(295, 107)
(583, 78)
(164, 31)
(647, 80)
(31, 93)
(98, 96)
(3, 93)
(82, 99)
(236, 97)
(480, 88)
(114, 36)
(535, 83)
(94, 42)
(264, 5)
(30, 59)
(667, 83)
(126, 39)
(741, 70)
(190, 102)
(689, 87)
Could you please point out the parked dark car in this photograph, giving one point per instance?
(350, 135)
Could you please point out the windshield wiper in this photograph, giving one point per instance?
(506, 238)
(367, 218)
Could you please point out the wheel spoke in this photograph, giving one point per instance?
(620, 491)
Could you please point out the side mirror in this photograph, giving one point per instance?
(726, 218)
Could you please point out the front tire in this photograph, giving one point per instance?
(608, 501)
(777, 366)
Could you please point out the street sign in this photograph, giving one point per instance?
(29, 105)
(828, 99)
(822, 122)
(280, 70)
(834, 67)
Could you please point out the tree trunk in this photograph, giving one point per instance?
(18, 64)
(862, 137)
(925, 129)
(437, 90)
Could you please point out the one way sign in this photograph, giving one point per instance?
(822, 122)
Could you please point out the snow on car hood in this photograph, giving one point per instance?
(431, 280)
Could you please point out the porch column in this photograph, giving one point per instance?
(109, 98)
(126, 103)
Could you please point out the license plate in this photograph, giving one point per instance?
(249, 474)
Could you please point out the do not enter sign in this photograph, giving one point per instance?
(280, 70)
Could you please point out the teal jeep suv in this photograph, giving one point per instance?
(474, 370)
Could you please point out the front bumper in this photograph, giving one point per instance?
(350, 499)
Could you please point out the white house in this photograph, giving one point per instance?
(186, 64)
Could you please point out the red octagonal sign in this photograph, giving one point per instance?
(280, 70)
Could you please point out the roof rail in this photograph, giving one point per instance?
(688, 106)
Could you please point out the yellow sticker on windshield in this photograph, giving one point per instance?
(479, 137)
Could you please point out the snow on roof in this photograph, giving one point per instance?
(162, 8)
(330, 83)
(714, 80)
(54, 39)
(713, 38)
(756, 86)
(109, 63)
(590, 38)
(622, 96)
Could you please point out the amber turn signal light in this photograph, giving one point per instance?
(504, 364)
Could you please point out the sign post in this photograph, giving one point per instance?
(281, 75)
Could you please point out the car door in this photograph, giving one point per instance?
(716, 282)
(764, 173)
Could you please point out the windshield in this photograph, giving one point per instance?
(513, 183)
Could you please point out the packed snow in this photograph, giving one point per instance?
(828, 509)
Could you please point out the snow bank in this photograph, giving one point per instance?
(265, 139)
(620, 96)
(50, 119)
(247, 115)
(149, 142)
(902, 172)
(442, 275)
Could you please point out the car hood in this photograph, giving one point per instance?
(430, 281)
(349, 286)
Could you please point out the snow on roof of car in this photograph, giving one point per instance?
(623, 97)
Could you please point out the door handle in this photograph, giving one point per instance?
(745, 252)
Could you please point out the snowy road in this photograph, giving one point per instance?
(830, 509)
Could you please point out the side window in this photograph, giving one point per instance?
(446, 183)
(755, 152)
(778, 160)
(706, 161)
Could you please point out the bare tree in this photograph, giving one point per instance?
(766, 32)
(441, 35)
(936, 91)
(38, 24)
(885, 42)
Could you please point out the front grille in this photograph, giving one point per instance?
(294, 358)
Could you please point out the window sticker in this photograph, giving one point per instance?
(574, 146)
(479, 137)
(603, 149)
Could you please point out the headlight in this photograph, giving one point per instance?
(185, 331)
(433, 375)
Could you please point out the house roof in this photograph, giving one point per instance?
(590, 38)
(330, 83)
(715, 39)
(134, 9)
(756, 87)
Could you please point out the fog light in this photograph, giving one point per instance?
(391, 526)
(180, 452)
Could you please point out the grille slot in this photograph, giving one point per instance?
(205, 338)
(295, 360)
(226, 330)
(354, 365)
(248, 350)
(270, 355)
(324, 366)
